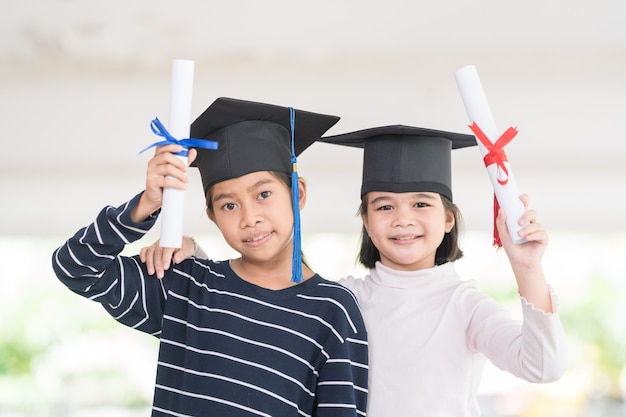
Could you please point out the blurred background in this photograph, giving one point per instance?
(80, 82)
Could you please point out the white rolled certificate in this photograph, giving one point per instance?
(501, 175)
(172, 211)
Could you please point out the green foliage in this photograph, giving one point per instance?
(15, 356)
(598, 322)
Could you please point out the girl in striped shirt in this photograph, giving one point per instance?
(259, 335)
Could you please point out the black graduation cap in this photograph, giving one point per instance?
(255, 137)
(252, 137)
(402, 158)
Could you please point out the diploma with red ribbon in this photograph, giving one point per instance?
(491, 145)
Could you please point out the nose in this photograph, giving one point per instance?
(403, 217)
(250, 216)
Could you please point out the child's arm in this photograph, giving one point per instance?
(89, 263)
(525, 258)
(342, 384)
(535, 350)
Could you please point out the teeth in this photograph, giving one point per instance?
(257, 238)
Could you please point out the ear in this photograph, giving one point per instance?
(302, 188)
(365, 222)
(449, 220)
(211, 216)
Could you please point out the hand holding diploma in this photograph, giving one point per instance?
(491, 145)
(165, 170)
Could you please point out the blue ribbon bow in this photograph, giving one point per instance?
(160, 130)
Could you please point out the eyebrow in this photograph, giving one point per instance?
(384, 198)
(254, 186)
(430, 196)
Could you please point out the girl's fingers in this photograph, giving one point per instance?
(191, 156)
(165, 257)
(161, 173)
(168, 165)
(529, 216)
(525, 200)
(501, 225)
(171, 149)
(147, 256)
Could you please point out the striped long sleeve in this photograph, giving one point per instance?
(227, 347)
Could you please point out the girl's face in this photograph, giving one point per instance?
(255, 216)
(407, 228)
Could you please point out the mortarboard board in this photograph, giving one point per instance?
(255, 137)
(252, 137)
(402, 158)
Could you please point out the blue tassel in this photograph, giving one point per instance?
(296, 266)
(296, 274)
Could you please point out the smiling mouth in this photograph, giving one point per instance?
(257, 238)
(405, 238)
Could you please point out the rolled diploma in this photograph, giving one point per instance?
(172, 211)
(478, 111)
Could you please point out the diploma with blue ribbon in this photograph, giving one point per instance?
(160, 130)
(172, 211)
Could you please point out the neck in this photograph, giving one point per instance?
(273, 276)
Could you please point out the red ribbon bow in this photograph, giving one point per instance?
(496, 155)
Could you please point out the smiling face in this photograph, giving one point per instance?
(407, 228)
(255, 216)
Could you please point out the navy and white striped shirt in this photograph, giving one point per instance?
(227, 347)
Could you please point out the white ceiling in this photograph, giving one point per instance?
(80, 82)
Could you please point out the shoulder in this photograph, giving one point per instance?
(353, 283)
(201, 271)
(447, 276)
(203, 264)
(336, 302)
(333, 289)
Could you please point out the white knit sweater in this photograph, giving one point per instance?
(430, 333)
